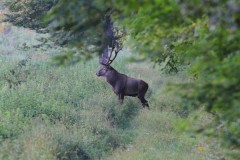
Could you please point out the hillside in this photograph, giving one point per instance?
(67, 112)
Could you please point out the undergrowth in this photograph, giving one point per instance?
(67, 112)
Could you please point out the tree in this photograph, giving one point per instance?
(202, 35)
(29, 14)
(84, 26)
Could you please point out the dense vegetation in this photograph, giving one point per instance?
(200, 37)
(69, 113)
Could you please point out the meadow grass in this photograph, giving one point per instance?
(67, 112)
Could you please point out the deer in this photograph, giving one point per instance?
(122, 84)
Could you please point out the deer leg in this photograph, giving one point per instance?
(120, 98)
(143, 101)
(146, 104)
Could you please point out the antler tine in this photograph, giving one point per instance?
(103, 57)
(100, 59)
(111, 60)
(118, 48)
(109, 57)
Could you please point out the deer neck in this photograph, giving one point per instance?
(112, 78)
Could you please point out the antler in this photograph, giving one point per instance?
(110, 43)
(116, 47)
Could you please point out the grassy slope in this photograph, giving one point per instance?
(69, 113)
(158, 134)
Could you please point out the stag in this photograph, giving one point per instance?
(122, 84)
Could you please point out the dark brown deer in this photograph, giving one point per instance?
(122, 84)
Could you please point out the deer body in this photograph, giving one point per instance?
(123, 85)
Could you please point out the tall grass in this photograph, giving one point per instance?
(69, 113)
(79, 112)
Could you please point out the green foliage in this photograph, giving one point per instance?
(50, 97)
(78, 25)
(154, 28)
(158, 138)
(200, 35)
(217, 85)
(69, 113)
(28, 14)
(204, 36)
(121, 117)
(53, 116)
(214, 56)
